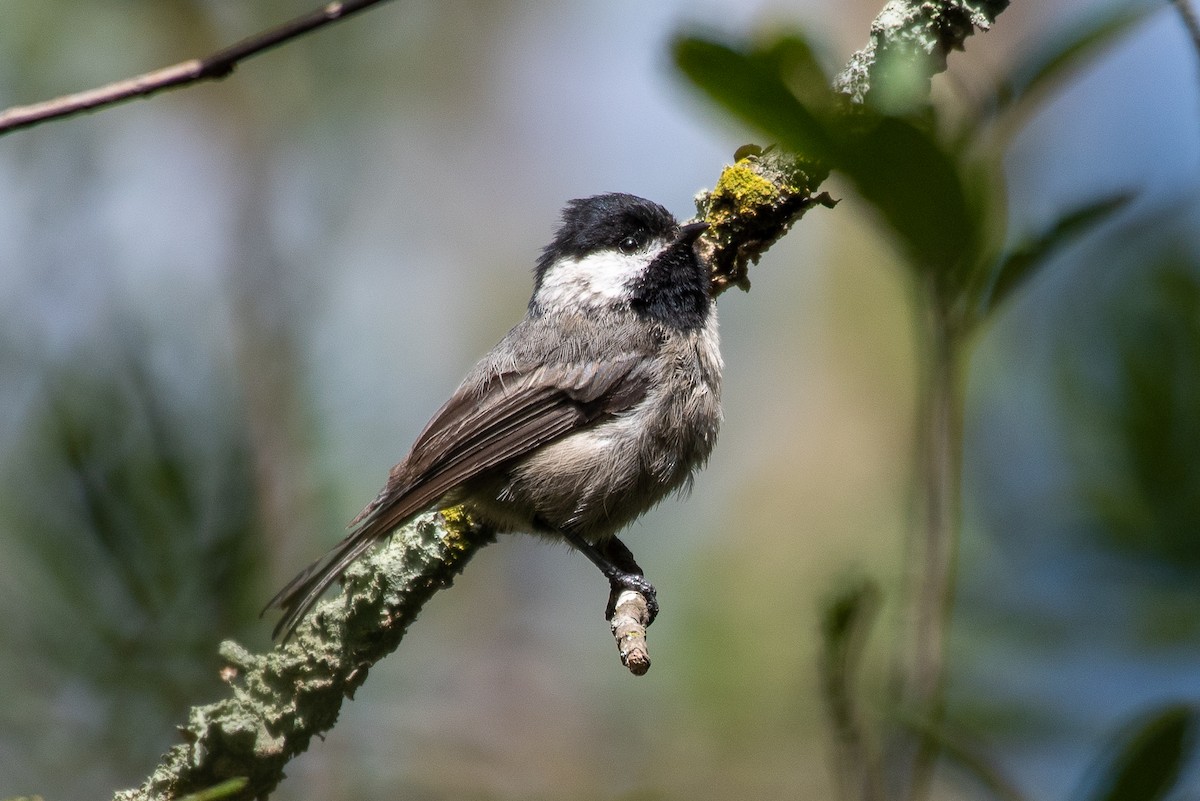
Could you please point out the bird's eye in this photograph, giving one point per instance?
(628, 245)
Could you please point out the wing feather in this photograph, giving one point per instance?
(481, 427)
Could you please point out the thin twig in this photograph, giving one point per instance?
(212, 67)
(932, 553)
(631, 617)
(1190, 21)
(913, 39)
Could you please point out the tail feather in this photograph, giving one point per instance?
(302, 593)
(390, 510)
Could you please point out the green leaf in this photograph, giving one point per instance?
(845, 618)
(1038, 73)
(916, 185)
(971, 760)
(1132, 401)
(750, 86)
(225, 789)
(1025, 260)
(896, 164)
(1146, 758)
(794, 61)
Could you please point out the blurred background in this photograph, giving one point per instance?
(225, 312)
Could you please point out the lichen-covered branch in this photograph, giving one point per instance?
(759, 197)
(910, 40)
(755, 202)
(281, 699)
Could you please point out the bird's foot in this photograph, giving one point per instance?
(631, 582)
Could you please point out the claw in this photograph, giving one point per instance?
(631, 582)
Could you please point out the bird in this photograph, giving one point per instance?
(602, 401)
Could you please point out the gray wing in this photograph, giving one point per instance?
(481, 427)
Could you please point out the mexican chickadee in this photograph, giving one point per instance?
(595, 407)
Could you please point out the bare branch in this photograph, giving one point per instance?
(631, 617)
(1188, 15)
(212, 67)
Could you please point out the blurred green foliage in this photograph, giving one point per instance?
(938, 186)
(138, 543)
(131, 522)
(939, 191)
(1145, 758)
(1135, 418)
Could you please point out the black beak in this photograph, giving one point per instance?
(691, 232)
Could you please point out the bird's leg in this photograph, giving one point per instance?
(617, 564)
(634, 578)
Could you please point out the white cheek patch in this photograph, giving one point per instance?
(594, 280)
